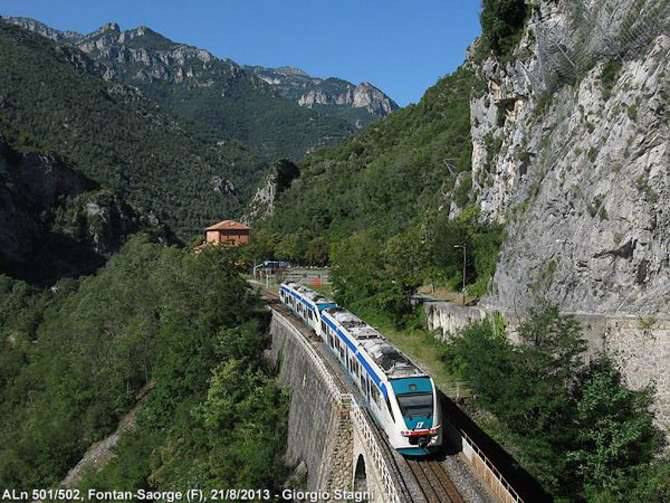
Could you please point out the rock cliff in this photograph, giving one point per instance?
(308, 91)
(55, 222)
(571, 150)
(279, 179)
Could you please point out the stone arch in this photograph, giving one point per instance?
(360, 475)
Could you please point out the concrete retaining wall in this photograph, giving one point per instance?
(447, 319)
(640, 344)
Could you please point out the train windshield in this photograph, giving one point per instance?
(415, 396)
(416, 405)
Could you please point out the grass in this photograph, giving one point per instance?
(421, 346)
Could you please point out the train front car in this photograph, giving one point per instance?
(419, 407)
(400, 396)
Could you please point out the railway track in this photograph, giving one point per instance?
(420, 480)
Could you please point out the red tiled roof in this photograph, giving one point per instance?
(227, 224)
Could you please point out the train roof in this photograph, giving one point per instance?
(394, 363)
(309, 294)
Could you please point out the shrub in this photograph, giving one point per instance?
(502, 24)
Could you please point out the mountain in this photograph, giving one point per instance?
(387, 178)
(114, 135)
(360, 104)
(223, 99)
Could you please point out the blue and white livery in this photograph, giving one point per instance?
(401, 397)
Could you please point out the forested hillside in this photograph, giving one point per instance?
(74, 357)
(269, 110)
(387, 207)
(52, 100)
(55, 222)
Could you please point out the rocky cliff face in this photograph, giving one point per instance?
(141, 55)
(56, 222)
(308, 91)
(56, 35)
(279, 179)
(571, 150)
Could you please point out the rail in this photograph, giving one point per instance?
(509, 493)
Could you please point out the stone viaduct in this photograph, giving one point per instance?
(334, 437)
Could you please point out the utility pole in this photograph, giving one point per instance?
(464, 264)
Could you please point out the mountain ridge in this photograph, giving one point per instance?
(225, 98)
(113, 134)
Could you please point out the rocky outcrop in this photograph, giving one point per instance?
(142, 55)
(570, 150)
(364, 95)
(31, 24)
(279, 179)
(308, 91)
(55, 222)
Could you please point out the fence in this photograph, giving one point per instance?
(601, 30)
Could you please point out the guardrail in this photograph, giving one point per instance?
(501, 487)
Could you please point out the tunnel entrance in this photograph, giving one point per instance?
(360, 477)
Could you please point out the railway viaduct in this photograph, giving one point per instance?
(342, 448)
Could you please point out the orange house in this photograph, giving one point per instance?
(228, 232)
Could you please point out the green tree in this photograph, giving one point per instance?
(615, 427)
(573, 424)
(502, 22)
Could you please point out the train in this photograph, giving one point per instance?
(400, 396)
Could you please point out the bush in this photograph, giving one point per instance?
(502, 24)
(574, 424)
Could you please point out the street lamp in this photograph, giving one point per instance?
(464, 262)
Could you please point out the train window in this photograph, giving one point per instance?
(416, 404)
(323, 327)
(376, 396)
(388, 406)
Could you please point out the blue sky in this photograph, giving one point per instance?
(402, 46)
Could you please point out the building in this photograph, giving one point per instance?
(228, 232)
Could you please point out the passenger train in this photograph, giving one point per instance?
(401, 397)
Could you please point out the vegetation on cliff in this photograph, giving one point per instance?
(75, 356)
(377, 207)
(502, 25)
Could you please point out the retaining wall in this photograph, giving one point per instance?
(640, 344)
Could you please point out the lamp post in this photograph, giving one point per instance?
(464, 263)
